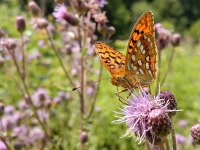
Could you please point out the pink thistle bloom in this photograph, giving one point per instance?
(61, 14)
(136, 115)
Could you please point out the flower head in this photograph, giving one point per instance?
(61, 14)
(146, 116)
(176, 38)
(34, 8)
(102, 3)
(20, 24)
(195, 133)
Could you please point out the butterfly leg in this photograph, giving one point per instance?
(119, 97)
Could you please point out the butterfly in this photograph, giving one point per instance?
(137, 68)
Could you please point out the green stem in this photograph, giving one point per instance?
(59, 59)
(173, 137)
(158, 75)
(169, 65)
(12, 53)
(95, 94)
(167, 144)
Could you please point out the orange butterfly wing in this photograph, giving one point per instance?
(113, 60)
(141, 51)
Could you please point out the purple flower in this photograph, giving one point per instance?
(7, 123)
(2, 146)
(183, 123)
(102, 3)
(22, 105)
(34, 55)
(61, 14)
(9, 110)
(21, 132)
(40, 97)
(140, 115)
(180, 139)
(43, 115)
(36, 134)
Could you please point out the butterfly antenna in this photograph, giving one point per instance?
(74, 89)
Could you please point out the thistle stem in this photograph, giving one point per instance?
(173, 137)
(158, 75)
(12, 53)
(169, 65)
(23, 57)
(60, 59)
(95, 94)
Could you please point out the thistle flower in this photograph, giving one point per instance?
(180, 139)
(176, 38)
(102, 3)
(195, 133)
(20, 24)
(2, 146)
(100, 17)
(35, 134)
(61, 14)
(83, 136)
(41, 23)
(34, 8)
(163, 36)
(167, 98)
(145, 116)
(183, 123)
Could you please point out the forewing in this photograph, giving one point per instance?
(141, 50)
(113, 60)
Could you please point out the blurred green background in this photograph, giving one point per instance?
(181, 16)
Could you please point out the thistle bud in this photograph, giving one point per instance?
(20, 24)
(159, 122)
(42, 23)
(111, 30)
(176, 38)
(83, 136)
(167, 98)
(34, 8)
(11, 44)
(195, 133)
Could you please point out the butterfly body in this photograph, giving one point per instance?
(137, 68)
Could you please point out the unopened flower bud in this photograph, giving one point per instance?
(34, 8)
(111, 30)
(83, 136)
(20, 24)
(11, 43)
(42, 23)
(159, 123)
(18, 145)
(195, 133)
(157, 26)
(176, 38)
(168, 99)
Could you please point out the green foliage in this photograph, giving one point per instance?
(195, 30)
(119, 16)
